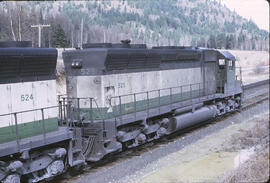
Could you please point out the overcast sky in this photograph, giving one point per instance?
(257, 10)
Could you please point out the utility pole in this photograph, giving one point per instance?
(72, 39)
(104, 36)
(81, 32)
(39, 32)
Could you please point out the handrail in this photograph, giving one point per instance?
(15, 115)
(70, 113)
(155, 90)
(190, 90)
(31, 110)
(146, 100)
(149, 91)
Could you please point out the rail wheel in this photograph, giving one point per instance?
(12, 178)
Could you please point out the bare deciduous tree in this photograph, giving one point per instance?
(19, 14)
(11, 22)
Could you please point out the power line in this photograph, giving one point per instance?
(39, 26)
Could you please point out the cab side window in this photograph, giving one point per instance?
(230, 64)
(221, 63)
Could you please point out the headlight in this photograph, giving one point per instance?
(76, 65)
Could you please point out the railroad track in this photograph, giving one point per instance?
(137, 151)
(259, 96)
(256, 84)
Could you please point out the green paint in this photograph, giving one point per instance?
(140, 105)
(27, 129)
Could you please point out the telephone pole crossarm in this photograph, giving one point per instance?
(39, 32)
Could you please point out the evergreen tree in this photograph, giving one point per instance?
(230, 42)
(60, 38)
(157, 21)
(212, 42)
(221, 40)
(241, 40)
(253, 45)
(201, 42)
(41, 19)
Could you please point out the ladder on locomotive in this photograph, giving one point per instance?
(75, 154)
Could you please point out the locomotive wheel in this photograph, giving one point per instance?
(13, 178)
(56, 167)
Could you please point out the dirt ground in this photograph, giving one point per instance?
(251, 58)
(254, 64)
(256, 169)
(238, 153)
(60, 74)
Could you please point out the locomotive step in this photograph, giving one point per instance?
(78, 162)
(74, 151)
(107, 140)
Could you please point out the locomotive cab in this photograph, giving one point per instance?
(226, 77)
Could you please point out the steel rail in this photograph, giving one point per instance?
(256, 84)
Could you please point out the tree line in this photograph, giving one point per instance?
(102, 22)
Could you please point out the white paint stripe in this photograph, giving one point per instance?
(16, 97)
(128, 83)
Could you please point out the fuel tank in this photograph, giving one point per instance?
(191, 118)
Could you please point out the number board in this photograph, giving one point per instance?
(26, 97)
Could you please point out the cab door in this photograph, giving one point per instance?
(230, 76)
(209, 71)
(210, 77)
(221, 75)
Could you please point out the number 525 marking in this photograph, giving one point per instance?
(26, 97)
